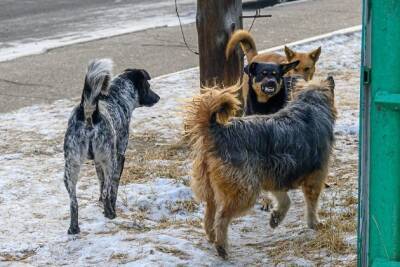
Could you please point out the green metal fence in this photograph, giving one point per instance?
(379, 205)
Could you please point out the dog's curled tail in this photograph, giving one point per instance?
(215, 105)
(97, 81)
(246, 42)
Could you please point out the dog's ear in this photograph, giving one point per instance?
(314, 55)
(145, 74)
(289, 53)
(289, 66)
(139, 72)
(331, 83)
(250, 69)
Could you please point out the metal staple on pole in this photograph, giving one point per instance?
(254, 17)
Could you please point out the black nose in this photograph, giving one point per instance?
(271, 84)
(156, 99)
(153, 100)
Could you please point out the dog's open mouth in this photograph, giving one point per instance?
(268, 89)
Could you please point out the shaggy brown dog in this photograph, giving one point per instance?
(237, 157)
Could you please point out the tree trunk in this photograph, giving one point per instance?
(215, 21)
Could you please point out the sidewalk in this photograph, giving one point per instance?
(58, 74)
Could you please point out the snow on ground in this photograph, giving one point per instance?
(158, 222)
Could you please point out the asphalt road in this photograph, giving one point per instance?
(59, 73)
(33, 26)
(26, 20)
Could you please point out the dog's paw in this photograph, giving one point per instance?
(315, 225)
(267, 207)
(109, 211)
(276, 219)
(74, 230)
(266, 204)
(211, 237)
(110, 215)
(221, 251)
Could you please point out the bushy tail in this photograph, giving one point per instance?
(97, 81)
(214, 106)
(246, 42)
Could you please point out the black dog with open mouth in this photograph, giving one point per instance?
(268, 89)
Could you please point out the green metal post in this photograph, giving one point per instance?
(379, 210)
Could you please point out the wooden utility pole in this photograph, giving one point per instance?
(216, 20)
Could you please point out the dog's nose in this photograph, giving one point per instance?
(271, 84)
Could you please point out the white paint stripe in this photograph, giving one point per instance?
(315, 38)
(18, 50)
(276, 48)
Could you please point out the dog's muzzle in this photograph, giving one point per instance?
(269, 88)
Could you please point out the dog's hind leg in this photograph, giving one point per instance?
(230, 205)
(223, 217)
(71, 174)
(109, 167)
(116, 179)
(279, 213)
(312, 188)
(100, 176)
(209, 218)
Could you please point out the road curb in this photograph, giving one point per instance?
(276, 48)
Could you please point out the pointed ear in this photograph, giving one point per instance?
(289, 53)
(331, 83)
(250, 69)
(314, 55)
(289, 66)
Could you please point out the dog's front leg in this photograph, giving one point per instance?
(70, 179)
(282, 208)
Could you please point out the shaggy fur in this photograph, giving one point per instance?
(235, 158)
(98, 129)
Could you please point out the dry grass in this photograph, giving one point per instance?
(149, 157)
(338, 214)
(17, 256)
(173, 251)
(172, 223)
(327, 242)
(184, 205)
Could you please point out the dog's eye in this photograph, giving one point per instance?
(306, 69)
(296, 69)
(264, 72)
(274, 73)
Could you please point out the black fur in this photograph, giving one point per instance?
(273, 84)
(283, 146)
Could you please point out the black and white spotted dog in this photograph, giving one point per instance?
(98, 129)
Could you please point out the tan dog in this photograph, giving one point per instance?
(306, 67)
